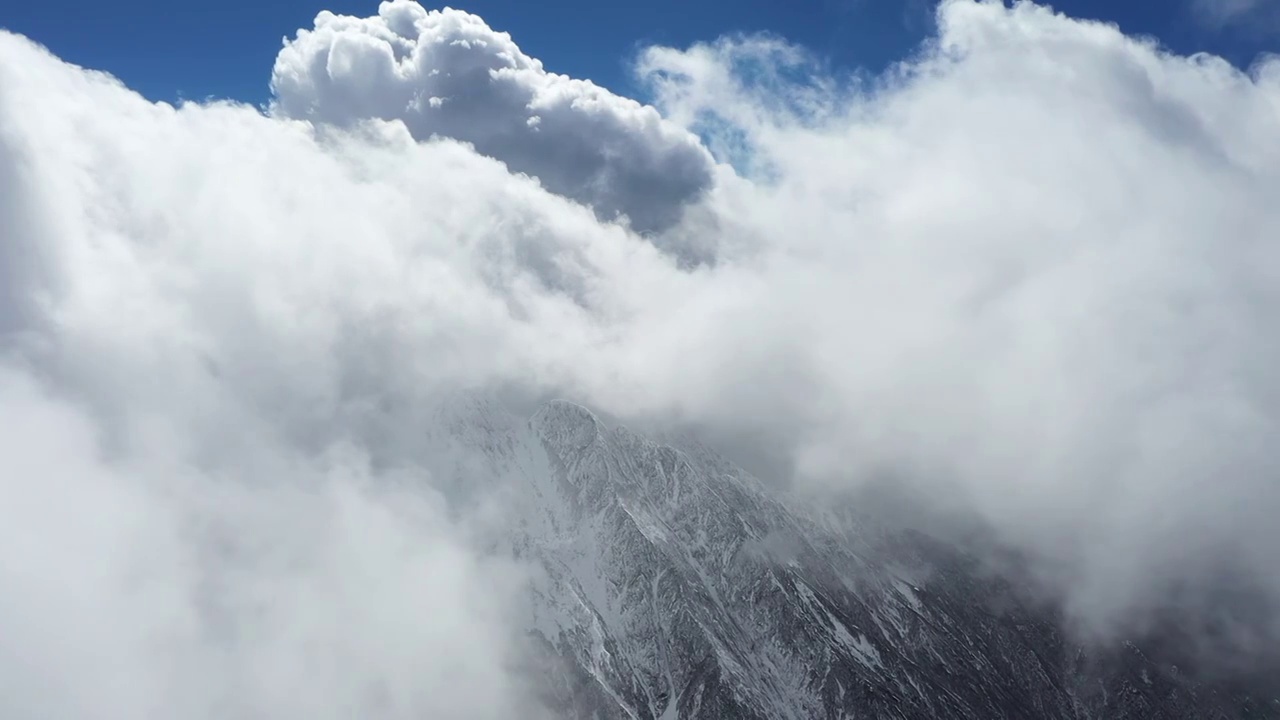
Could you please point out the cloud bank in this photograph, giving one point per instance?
(1030, 271)
(1033, 270)
(143, 586)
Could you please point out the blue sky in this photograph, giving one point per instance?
(169, 50)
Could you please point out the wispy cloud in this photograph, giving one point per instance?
(1261, 16)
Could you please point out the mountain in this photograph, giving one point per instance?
(672, 584)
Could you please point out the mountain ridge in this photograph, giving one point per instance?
(673, 584)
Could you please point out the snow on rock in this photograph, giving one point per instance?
(673, 585)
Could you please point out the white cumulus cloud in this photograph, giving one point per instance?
(446, 72)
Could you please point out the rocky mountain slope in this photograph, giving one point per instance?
(674, 585)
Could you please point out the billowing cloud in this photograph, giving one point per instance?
(446, 72)
(216, 496)
(1030, 272)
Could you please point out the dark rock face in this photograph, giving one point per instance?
(677, 586)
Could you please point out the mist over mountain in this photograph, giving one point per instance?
(446, 386)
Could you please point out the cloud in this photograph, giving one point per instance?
(447, 73)
(1029, 271)
(216, 500)
(1258, 15)
(139, 586)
